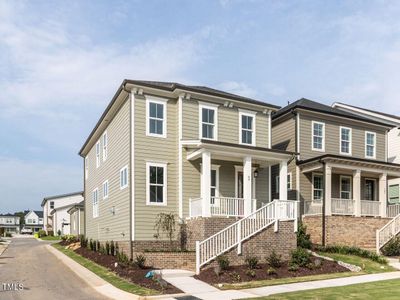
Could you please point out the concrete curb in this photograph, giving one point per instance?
(99, 284)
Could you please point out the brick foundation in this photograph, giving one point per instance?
(345, 230)
(171, 260)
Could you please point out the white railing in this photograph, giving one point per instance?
(243, 229)
(312, 207)
(387, 232)
(342, 206)
(227, 206)
(392, 210)
(195, 207)
(370, 208)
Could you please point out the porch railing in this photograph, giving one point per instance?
(392, 210)
(370, 208)
(195, 207)
(342, 206)
(387, 232)
(312, 207)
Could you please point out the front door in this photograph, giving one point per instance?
(239, 192)
(369, 193)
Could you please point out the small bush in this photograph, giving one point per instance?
(274, 260)
(112, 248)
(293, 268)
(223, 262)
(303, 239)
(271, 271)
(251, 273)
(116, 248)
(59, 232)
(107, 248)
(236, 276)
(98, 246)
(350, 250)
(122, 258)
(91, 244)
(50, 233)
(140, 261)
(252, 262)
(392, 248)
(300, 257)
(41, 233)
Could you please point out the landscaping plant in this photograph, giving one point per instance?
(140, 261)
(274, 260)
(271, 271)
(41, 233)
(251, 273)
(303, 239)
(392, 248)
(112, 248)
(252, 262)
(223, 262)
(165, 223)
(351, 250)
(300, 257)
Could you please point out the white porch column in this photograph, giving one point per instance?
(206, 183)
(328, 189)
(247, 184)
(383, 194)
(357, 192)
(283, 180)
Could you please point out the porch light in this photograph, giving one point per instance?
(255, 174)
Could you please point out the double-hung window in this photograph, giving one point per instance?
(95, 199)
(318, 136)
(98, 154)
(370, 144)
(318, 187)
(289, 182)
(208, 116)
(156, 112)
(105, 145)
(345, 140)
(394, 193)
(247, 128)
(105, 189)
(123, 177)
(345, 187)
(156, 183)
(214, 183)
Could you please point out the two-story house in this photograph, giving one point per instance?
(33, 219)
(9, 223)
(191, 151)
(77, 218)
(341, 170)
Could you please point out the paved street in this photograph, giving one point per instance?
(43, 276)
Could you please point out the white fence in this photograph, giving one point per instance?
(221, 206)
(370, 208)
(342, 206)
(393, 210)
(387, 232)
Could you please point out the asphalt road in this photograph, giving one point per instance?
(42, 275)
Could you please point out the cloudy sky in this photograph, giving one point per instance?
(61, 62)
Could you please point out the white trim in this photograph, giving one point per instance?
(216, 169)
(253, 130)
(297, 183)
(104, 137)
(180, 155)
(132, 162)
(165, 183)
(95, 207)
(312, 186)
(270, 184)
(298, 135)
(323, 136)
(365, 143)
(340, 186)
(106, 183)
(269, 129)
(350, 140)
(86, 162)
(121, 187)
(240, 169)
(163, 102)
(215, 129)
(98, 150)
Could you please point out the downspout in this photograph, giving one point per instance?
(323, 205)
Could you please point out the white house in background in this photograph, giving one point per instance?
(55, 211)
(33, 220)
(392, 143)
(77, 217)
(9, 223)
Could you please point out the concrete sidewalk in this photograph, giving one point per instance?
(4, 244)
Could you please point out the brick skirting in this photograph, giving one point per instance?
(170, 260)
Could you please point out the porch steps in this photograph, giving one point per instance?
(387, 232)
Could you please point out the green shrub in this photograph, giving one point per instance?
(303, 239)
(59, 232)
(350, 250)
(98, 246)
(392, 248)
(293, 268)
(274, 260)
(252, 262)
(112, 248)
(116, 248)
(223, 262)
(236, 276)
(140, 261)
(251, 273)
(91, 244)
(122, 258)
(107, 252)
(300, 257)
(271, 271)
(50, 233)
(41, 233)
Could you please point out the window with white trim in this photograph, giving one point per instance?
(98, 154)
(86, 167)
(214, 186)
(289, 181)
(247, 128)
(394, 193)
(317, 187)
(105, 145)
(345, 187)
(105, 189)
(156, 179)
(345, 140)
(123, 177)
(208, 116)
(318, 136)
(156, 117)
(370, 144)
(95, 203)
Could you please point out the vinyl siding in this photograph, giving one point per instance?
(284, 135)
(394, 145)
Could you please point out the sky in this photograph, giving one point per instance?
(62, 61)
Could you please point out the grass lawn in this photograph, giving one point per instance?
(50, 238)
(106, 274)
(388, 289)
(368, 267)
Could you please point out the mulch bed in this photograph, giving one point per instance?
(237, 274)
(130, 272)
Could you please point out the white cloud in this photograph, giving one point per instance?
(239, 88)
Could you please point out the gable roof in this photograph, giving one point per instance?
(39, 213)
(60, 196)
(311, 105)
(371, 111)
(9, 215)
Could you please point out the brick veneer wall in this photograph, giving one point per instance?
(345, 230)
(171, 260)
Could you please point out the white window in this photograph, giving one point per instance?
(51, 204)
(318, 136)
(105, 189)
(247, 128)
(208, 117)
(105, 146)
(214, 183)
(289, 181)
(98, 154)
(156, 183)
(156, 115)
(370, 142)
(345, 140)
(317, 187)
(123, 177)
(345, 187)
(86, 167)
(394, 193)
(95, 198)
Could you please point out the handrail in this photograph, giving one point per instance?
(387, 232)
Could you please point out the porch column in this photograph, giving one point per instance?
(283, 180)
(357, 192)
(247, 184)
(383, 194)
(328, 189)
(206, 183)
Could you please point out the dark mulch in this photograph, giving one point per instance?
(130, 272)
(236, 274)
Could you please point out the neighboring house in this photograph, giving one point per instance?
(188, 150)
(33, 220)
(341, 165)
(393, 142)
(77, 218)
(9, 223)
(55, 211)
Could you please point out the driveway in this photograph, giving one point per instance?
(42, 275)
